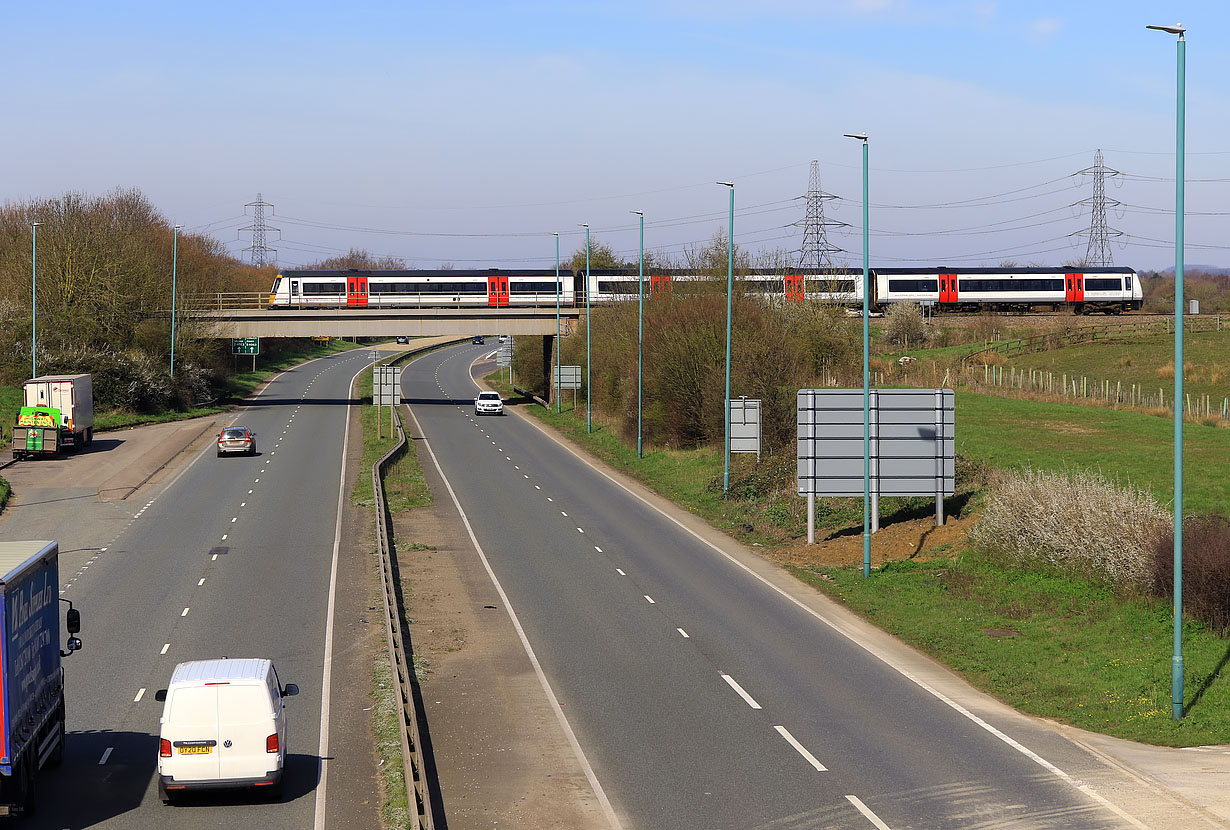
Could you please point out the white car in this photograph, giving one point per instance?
(488, 403)
(223, 725)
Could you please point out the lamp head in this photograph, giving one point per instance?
(584, 225)
(1176, 29)
(640, 213)
(726, 184)
(859, 136)
(35, 224)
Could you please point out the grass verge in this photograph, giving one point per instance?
(1077, 653)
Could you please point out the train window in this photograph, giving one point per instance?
(1094, 284)
(1127, 283)
(613, 287)
(905, 286)
(988, 286)
(319, 288)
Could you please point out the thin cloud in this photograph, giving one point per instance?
(1043, 29)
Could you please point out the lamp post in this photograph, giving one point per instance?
(730, 282)
(640, 331)
(174, 266)
(1176, 663)
(34, 299)
(554, 382)
(589, 424)
(866, 373)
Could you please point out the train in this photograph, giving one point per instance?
(965, 290)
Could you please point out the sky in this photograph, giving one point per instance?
(465, 134)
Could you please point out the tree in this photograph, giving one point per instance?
(601, 255)
(358, 259)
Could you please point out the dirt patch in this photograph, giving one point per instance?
(917, 539)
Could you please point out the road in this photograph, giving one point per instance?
(705, 695)
(234, 557)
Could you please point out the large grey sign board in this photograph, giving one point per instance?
(567, 377)
(503, 355)
(386, 386)
(745, 425)
(912, 442)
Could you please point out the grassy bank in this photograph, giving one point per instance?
(1047, 644)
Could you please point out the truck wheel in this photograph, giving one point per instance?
(89, 436)
(29, 772)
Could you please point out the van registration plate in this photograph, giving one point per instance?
(195, 750)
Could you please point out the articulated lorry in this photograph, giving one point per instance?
(57, 414)
(31, 675)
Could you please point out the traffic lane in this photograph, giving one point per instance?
(154, 561)
(776, 647)
(660, 723)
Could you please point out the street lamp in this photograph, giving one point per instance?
(589, 425)
(1176, 663)
(866, 373)
(34, 299)
(555, 380)
(174, 265)
(640, 331)
(730, 282)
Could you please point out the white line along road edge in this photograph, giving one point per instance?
(607, 810)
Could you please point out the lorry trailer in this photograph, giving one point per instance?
(57, 414)
(31, 674)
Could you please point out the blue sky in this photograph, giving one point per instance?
(466, 133)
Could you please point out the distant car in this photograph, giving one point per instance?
(236, 439)
(402, 339)
(488, 403)
(479, 339)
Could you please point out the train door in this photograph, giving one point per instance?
(356, 290)
(659, 284)
(497, 290)
(948, 288)
(795, 288)
(1074, 288)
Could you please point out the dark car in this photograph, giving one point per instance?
(236, 439)
(479, 339)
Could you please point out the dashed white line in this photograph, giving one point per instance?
(105, 756)
(580, 530)
(185, 613)
(748, 699)
(649, 599)
(202, 582)
(598, 549)
(684, 633)
(870, 816)
(811, 759)
(140, 695)
(165, 646)
(562, 513)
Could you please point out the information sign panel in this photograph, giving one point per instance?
(245, 345)
(386, 386)
(567, 377)
(745, 425)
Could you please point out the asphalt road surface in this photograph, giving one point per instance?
(702, 696)
(232, 558)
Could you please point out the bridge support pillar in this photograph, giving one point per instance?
(548, 365)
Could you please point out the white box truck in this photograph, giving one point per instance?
(66, 398)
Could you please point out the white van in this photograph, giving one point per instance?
(223, 725)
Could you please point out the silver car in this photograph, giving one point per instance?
(488, 403)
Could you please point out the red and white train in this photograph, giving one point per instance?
(1082, 291)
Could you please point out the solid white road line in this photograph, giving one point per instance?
(746, 697)
(870, 816)
(811, 759)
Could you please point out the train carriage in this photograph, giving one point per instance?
(1106, 290)
(445, 288)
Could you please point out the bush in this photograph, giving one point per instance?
(1077, 522)
(903, 325)
(1206, 569)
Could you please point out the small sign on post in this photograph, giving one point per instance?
(386, 386)
(745, 425)
(245, 345)
(567, 377)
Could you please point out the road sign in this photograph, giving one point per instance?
(503, 356)
(567, 377)
(745, 425)
(245, 345)
(386, 386)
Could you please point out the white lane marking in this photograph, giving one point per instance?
(224, 536)
(851, 636)
(243, 504)
(258, 481)
(811, 759)
(185, 613)
(202, 582)
(249, 492)
(234, 519)
(684, 633)
(106, 754)
(536, 487)
(580, 530)
(751, 701)
(870, 816)
(604, 802)
(140, 695)
(562, 513)
(165, 646)
(515, 467)
(620, 571)
(650, 599)
(214, 558)
(523, 475)
(598, 549)
(550, 499)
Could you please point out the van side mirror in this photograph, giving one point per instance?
(72, 621)
(290, 690)
(161, 695)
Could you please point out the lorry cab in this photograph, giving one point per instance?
(223, 725)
